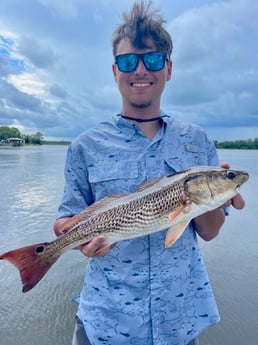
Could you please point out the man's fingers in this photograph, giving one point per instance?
(238, 202)
(96, 247)
(225, 165)
(93, 246)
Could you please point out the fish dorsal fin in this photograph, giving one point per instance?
(148, 184)
(89, 211)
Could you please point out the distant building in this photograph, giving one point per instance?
(15, 141)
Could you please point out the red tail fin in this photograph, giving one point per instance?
(31, 262)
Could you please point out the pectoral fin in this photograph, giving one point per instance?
(174, 232)
(172, 215)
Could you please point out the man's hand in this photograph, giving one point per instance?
(96, 247)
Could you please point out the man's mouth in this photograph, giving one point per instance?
(141, 85)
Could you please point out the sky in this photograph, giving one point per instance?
(56, 57)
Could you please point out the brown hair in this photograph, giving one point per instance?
(141, 24)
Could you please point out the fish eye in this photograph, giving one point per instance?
(231, 175)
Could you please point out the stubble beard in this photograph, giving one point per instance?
(141, 105)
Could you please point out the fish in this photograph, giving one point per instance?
(169, 202)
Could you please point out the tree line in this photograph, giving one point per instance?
(249, 144)
(13, 132)
(37, 138)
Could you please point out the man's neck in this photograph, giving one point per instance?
(149, 127)
(140, 119)
(148, 119)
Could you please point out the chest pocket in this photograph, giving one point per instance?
(190, 155)
(196, 154)
(113, 177)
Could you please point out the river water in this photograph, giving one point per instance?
(30, 191)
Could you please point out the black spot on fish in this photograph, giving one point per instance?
(40, 249)
(128, 303)
(180, 295)
(204, 315)
(199, 288)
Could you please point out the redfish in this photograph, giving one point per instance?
(169, 202)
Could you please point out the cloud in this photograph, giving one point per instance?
(215, 68)
(55, 64)
(58, 91)
(12, 97)
(40, 55)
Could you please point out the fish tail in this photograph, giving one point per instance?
(31, 264)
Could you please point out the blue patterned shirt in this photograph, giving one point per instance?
(140, 293)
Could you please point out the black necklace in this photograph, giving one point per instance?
(140, 120)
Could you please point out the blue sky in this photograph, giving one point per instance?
(55, 65)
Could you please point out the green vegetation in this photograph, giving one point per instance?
(249, 144)
(37, 139)
(9, 132)
(56, 142)
(13, 132)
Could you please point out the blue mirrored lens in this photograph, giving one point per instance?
(153, 61)
(127, 62)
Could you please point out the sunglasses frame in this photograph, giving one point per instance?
(142, 57)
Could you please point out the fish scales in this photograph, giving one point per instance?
(170, 202)
(127, 220)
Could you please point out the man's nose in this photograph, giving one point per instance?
(141, 69)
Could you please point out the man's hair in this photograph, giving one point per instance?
(141, 24)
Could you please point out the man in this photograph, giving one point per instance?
(138, 292)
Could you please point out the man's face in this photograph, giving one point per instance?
(141, 88)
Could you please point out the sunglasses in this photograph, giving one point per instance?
(153, 61)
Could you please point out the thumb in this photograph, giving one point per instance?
(225, 165)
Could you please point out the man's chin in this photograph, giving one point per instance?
(141, 105)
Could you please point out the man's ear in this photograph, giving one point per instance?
(169, 70)
(114, 69)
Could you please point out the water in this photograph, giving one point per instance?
(30, 191)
